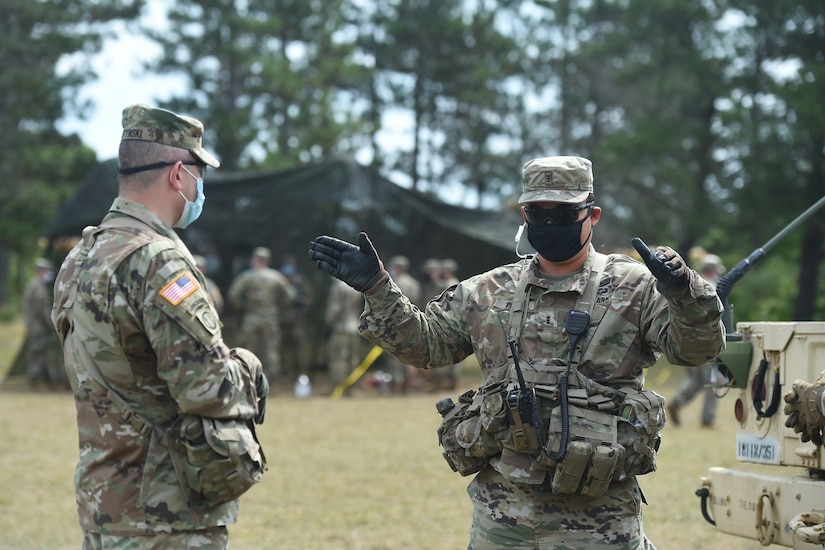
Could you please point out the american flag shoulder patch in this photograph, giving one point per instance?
(179, 288)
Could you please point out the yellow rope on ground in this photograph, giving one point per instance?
(359, 371)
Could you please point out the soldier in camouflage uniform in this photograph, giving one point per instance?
(446, 377)
(344, 305)
(133, 314)
(639, 311)
(258, 293)
(43, 365)
(399, 271)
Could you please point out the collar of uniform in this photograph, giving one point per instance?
(126, 207)
(575, 282)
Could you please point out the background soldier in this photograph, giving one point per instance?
(445, 378)
(399, 271)
(344, 307)
(43, 365)
(258, 293)
(432, 287)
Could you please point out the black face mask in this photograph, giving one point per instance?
(556, 243)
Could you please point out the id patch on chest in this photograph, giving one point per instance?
(179, 288)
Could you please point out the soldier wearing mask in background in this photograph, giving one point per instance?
(44, 368)
(259, 293)
(698, 379)
(567, 314)
(136, 322)
(344, 305)
(399, 271)
(445, 378)
(432, 287)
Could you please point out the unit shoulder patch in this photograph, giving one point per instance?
(176, 290)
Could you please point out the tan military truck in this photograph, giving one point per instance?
(762, 360)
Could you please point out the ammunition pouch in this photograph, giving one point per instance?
(472, 430)
(614, 434)
(215, 461)
(605, 446)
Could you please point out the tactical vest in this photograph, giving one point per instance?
(578, 432)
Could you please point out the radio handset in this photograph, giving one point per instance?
(576, 322)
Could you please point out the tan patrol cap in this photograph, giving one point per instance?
(43, 263)
(262, 252)
(145, 123)
(399, 261)
(556, 179)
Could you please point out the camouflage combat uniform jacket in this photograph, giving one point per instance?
(631, 324)
(140, 312)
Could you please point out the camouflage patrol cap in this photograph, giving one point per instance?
(449, 264)
(431, 265)
(262, 252)
(399, 261)
(43, 263)
(145, 123)
(712, 261)
(557, 179)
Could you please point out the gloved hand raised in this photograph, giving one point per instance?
(666, 264)
(803, 405)
(358, 266)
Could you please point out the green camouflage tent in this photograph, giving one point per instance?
(284, 209)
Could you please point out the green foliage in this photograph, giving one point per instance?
(40, 167)
(269, 84)
(704, 119)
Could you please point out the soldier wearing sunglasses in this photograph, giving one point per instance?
(535, 485)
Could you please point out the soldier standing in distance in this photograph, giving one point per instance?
(516, 314)
(432, 287)
(43, 365)
(446, 377)
(133, 314)
(344, 305)
(258, 293)
(399, 267)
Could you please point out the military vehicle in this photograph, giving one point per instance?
(761, 361)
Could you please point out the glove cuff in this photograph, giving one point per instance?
(378, 282)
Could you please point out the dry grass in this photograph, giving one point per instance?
(356, 473)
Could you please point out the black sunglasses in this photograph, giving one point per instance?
(560, 215)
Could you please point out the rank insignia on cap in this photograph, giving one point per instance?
(179, 288)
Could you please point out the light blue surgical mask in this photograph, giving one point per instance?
(191, 209)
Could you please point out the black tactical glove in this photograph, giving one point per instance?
(358, 266)
(803, 405)
(666, 265)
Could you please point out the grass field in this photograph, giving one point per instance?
(359, 473)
